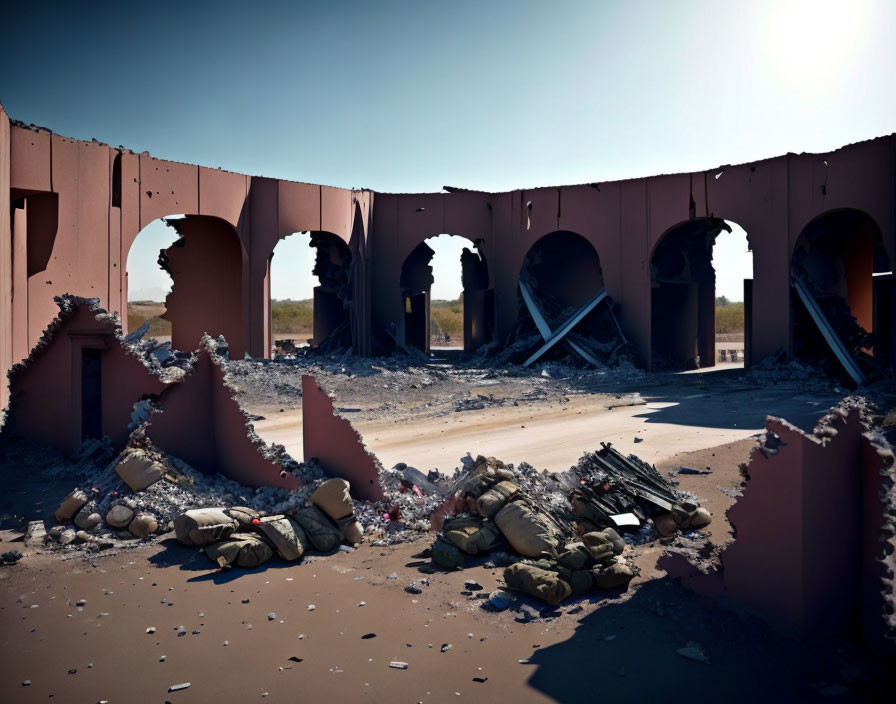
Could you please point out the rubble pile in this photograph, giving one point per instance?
(142, 490)
(561, 534)
(792, 374)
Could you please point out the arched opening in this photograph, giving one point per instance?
(701, 277)
(560, 274)
(310, 294)
(147, 282)
(839, 260)
(447, 300)
(206, 267)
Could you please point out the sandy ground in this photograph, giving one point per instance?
(554, 435)
(617, 646)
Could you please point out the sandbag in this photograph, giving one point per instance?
(534, 581)
(138, 470)
(333, 498)
(665, 525)
(527, 531)
(580, 581)
(603, 544)
(493, 500)
(351, 530)
(611, 576)
(241, 549)
(574, 556)
(489, 538)
(88, 518)
(119, 516)
(202, 526)
(70, 505)
(690, 516)
(483, 475)
(446, 554)
(582, 508)
(698, 519)
(244, 516)
(143, 525)
(463, 533)
(324, 536)
(288, 539)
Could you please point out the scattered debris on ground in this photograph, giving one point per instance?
(561, 532)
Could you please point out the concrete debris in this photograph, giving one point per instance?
(563, 526)
(35, 534)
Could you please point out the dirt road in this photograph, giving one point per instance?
(553, 437)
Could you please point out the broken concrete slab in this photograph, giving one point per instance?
(814, 542)
(200, 421)
(336, 444)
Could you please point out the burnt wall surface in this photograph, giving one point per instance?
(75, 208)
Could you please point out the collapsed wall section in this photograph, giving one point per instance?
(200, 421)
(79, 381)
(813, 552)
(206, 266)
(336, 445)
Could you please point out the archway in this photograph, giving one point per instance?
(305, 313)
(560, 274)
(148, 284)
(446, 295)
(840, 258)
(691, 327)
(206, 266)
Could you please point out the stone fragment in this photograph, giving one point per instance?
(35, 534)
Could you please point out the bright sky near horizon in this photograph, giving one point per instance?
(411, 96)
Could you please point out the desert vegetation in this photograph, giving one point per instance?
(729, 316)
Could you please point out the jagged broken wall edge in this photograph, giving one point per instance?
(813, 552)
(200, 421)
(335, 443)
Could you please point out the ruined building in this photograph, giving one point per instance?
(827, 220)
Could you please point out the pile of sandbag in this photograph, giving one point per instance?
(243, 537)
(565, 552)
(80, 520)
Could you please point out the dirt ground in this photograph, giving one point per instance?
(249, 635)
(215, 631)
(430, 418)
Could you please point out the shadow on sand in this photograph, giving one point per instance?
(627, 652)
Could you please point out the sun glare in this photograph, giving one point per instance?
(811, 42)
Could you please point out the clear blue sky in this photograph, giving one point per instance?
(413, 96)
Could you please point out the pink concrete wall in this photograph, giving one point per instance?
(812, 553)
(336, 444)
(6, 327)
(45, 395)
(798, 553)
(202, 423)
(207, 294)
(771, 199)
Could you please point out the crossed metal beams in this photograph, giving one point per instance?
(552, 338)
